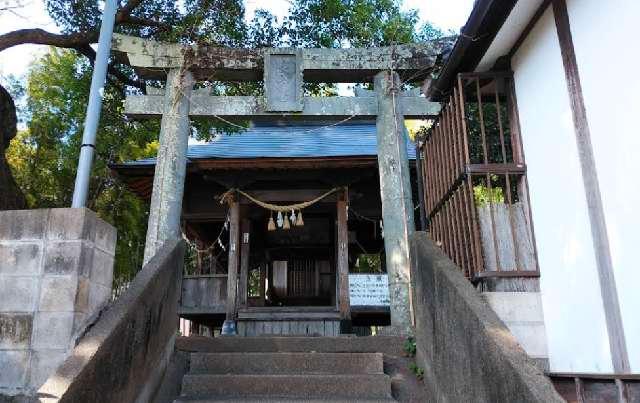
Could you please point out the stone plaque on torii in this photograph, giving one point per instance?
(283, 72)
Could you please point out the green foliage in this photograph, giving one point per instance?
(355, 23)
(215, 22)
(368, 263)
(44, 156)
(191, 259)
(85, 15)
(263, 31)
(483, 195)
(255, 282)
(489, 124)
(417, 371)
(409, 347)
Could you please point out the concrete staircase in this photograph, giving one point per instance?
(271, 369)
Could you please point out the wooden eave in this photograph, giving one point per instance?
(139, 178)
(285, 163)
(486, 19)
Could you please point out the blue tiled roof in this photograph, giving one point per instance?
(290, 142)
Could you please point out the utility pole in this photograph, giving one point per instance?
(92, 117)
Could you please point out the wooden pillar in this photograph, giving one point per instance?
(232, 272)
(343, 257)
(171, 165)
(420, 176)
(245, 239)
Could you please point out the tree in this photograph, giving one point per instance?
(79, 22)
(44, 156)
(10, 197)
(353, 23)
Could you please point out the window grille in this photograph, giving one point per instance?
(476, 192)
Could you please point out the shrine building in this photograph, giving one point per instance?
(288, 265)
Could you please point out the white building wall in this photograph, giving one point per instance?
(605, 42)
(574, 316)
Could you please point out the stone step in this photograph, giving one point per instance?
(341, 387)
(286, 363)
(391, 345)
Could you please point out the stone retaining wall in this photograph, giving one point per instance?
(467, 353)
(56, 270)
(124, 356)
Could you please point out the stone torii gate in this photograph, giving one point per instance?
(283, 72)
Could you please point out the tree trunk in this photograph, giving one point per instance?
(11, 197)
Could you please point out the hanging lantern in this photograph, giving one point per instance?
(299, 220)
(280, 219)
(287, 224)
(271, 226)
(293, 217)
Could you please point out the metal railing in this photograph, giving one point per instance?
(475, 187)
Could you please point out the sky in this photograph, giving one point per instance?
(445, 14)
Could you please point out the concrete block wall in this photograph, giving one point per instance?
(56, 270)
(522, 313)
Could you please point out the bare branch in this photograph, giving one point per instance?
(39, 36)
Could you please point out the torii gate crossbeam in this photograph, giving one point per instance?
(153, 60)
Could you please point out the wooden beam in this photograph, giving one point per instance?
(499, 169)
(245, 239)
(232, 273)
(343, 258)
(208, 216)
(151, 59)
(248, 107)
(613, 317)
(419, 175)
(481, 28)
(285, 163)
(530, 25)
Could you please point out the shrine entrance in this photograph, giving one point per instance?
(292, 273)
(288, 247)
(277, 269)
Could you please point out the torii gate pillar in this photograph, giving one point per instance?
(395, 193)
(171, 166)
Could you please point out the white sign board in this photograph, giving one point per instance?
(369, 290)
